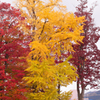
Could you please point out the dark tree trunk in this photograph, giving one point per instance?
(80, 93)
(59, 90)
(6, 64)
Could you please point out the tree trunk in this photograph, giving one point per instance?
(6, 64)
(80, 93)
(59, 90)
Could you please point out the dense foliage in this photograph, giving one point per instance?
(13, 49)
(52, 30)
(35, 44)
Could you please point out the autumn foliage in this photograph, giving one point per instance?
(13, 49)
(51, 31)
(86, 55)
(35, 44)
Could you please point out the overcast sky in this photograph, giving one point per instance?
(71, 4)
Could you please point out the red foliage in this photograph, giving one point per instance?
(86, 57)
(13, 46)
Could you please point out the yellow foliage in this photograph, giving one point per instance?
(66, 95)
(66, 72)
(52, 30)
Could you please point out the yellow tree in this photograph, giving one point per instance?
(52, 30)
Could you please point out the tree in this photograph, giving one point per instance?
(52, 30)
(13, 49)
(86, 57)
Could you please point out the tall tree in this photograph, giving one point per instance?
(86, 57)
(13, 47)
(50, 26)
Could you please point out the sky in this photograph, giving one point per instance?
(71, 4)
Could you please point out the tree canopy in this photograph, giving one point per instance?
(13, 46)
(86, 57)
(52, 30)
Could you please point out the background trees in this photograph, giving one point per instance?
(13, 46)
(86, 57)
(52, 30)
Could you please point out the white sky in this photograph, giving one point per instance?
(71, 4)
